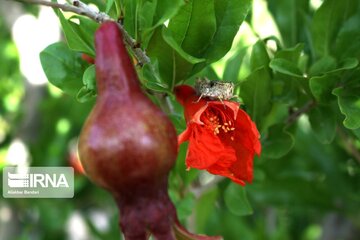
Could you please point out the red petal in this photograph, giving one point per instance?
(205, 149)
(184, 136)
(241, 170)
(233, 106)
(183, 93)
(243, 167)
(194, 107)
(246, 133)
(217, 170)
(257, 144)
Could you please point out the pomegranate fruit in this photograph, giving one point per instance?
(127, 144)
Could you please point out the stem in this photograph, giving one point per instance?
(81, 8)
(349, 144)
(295, 115)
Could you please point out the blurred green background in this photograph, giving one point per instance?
(307, 181)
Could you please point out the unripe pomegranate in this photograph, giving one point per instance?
(127, 144)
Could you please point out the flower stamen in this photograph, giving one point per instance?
(213, 122)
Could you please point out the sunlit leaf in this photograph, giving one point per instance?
(286, 67)
(193, 34)
(229, 16)
(88, 91)
(259, 56)
(63, 67)
(167, 35)
(80, 37)
(256, 93)
(327, 21)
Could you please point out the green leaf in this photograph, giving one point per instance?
(204, 208)
(85, 29)
(194, 37)
(322, 86)
(130, 16)
(357, 133)
(80, 37)
(346, 45)
(171, 66)
(327, 21)
(144, 14)
(142, 17)
(109, 4)
(185, 206)
(259, 56)
(85, 95)
(209, 73)
(151, 79)
(63, 67)
(291, 54)
(236, 200)
(286, 64)
(290, 18)
(229, 16)
(286, 67)
(167, 35)
(118, 8)
(256, 93)
(158, 87)
(186, 177)
(349, 103)
(283, 90)
(347, 64)
(323, 65)
(193, 33)
(89, 77)
(278, 143)
(323, 123)
(88, 91)
(165, 10)
(232, 67)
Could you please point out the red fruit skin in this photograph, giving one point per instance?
(127, 144)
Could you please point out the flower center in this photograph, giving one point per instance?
(216, 124)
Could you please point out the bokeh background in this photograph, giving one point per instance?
(310, 193)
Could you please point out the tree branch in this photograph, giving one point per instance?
(81, 8)
(295, 115)
(349, 144)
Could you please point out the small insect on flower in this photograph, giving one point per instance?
(214, 90)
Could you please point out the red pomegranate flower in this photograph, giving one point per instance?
(222, 138)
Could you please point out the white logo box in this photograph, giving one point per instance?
(38, 182)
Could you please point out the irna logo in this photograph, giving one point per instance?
(38, 182)
(34, 180)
